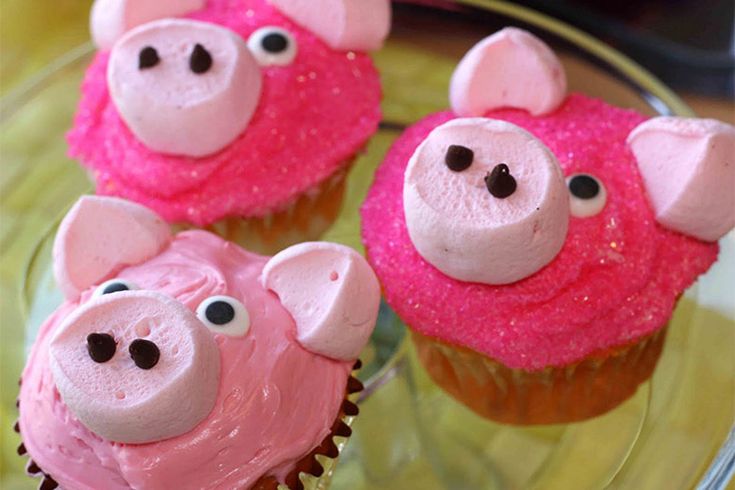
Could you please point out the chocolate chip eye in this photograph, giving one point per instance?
(148, 58)
(459, 158)
(101, 347)
(145, 353)
(273, 45)
(274, 42)
(113, 286)
(225, 315)
(584, 186)
(500, 182)
(200, 61)
(587, 195)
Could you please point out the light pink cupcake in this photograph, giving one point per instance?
(536, 242)
(239, 116)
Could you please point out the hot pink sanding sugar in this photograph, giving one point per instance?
(615, 281)
(313, 116)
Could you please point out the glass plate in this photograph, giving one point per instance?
(410, 435)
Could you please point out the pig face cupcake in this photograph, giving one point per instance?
(240, 116)
(537, 242)
(186, 362)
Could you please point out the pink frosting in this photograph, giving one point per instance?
(688, 166)
(336, 314)
(511, 68)
(313, 116)
(110, 19)
(457, 225)
(361, 25)
(615, 280)
(275, 402)
(100, 235)
(170, 108)
(116, 399)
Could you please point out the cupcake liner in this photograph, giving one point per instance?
(570, 393)
(307, 218)
(310, 466)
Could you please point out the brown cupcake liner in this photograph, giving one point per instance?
(309, 465)
(570, 393)
(307, 218)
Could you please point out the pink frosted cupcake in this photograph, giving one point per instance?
(185, 362)
(536, 243)
(240, 116)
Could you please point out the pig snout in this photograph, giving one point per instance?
(184, 87)
(136, 367)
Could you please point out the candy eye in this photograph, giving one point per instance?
(588, 195)
(273, 46)
(113, 286)
(225, 315)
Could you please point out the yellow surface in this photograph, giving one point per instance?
(409, 434)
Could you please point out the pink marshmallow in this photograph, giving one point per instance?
(110, 19)
(99, 235)
(116, 399)
(511, 68)
(174, 108)
(332, 294)
(688, 166)
(466, 232)
(360, 25)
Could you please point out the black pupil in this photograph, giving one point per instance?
(275, 42)
(584, 187)
(459, 158)
(115, 287)
(101, 347)
(145, 353)
(220, 313)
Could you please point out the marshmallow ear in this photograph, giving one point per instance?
(332, 294)
(100, 235)
(347, 25)
(110, 19)
(511, 68)
(688, 167)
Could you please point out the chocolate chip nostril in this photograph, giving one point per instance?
(148, 58)
(101, 347)
(145, 353)
(500, 182)
(200, 61)
(459, 158)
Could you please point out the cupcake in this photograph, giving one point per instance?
(183, 361)
(238, 116)
(536, 243)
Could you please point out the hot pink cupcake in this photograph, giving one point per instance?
(239, 116)
(536, 243)
(185, 362)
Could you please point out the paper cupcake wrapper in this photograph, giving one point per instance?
(307, 218)
(310, 466)
(553, 395)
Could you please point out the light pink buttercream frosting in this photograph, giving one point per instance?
(220, 407)
(457, 225)
(688, 166)
(312, 116)
(111, 19)
(615, 280)
(511, 68)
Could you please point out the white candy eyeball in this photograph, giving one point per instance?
(225, 315)
(587, 195)
(113, 286)
(273, 46)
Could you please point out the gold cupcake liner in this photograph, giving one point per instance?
(570, 393)
(310, 466)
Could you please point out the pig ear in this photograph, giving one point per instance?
(688, 167)
(511, 68)
(110, 19)
(100, 235)
(331, 293)
(347, 25)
